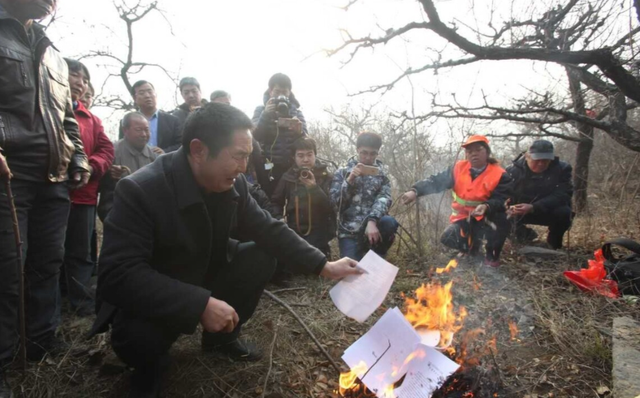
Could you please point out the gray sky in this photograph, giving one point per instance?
(237, 45)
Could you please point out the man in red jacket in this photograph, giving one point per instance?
(78, 263)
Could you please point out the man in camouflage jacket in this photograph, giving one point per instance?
(362, 194)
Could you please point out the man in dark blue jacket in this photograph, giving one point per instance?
(279, 122)
(542, 193)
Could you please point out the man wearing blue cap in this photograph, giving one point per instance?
(542, 193)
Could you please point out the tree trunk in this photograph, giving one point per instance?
(583, 151)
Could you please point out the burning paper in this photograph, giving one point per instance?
(391, 350)
(358, 296)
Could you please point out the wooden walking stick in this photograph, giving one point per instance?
(20, 267)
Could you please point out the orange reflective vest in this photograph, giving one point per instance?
(467, 193)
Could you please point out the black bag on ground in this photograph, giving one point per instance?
(624, 270)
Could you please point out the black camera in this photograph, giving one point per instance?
(305, 173)
(282, 106)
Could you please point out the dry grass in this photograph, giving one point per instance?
(563, 347)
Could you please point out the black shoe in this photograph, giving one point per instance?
(282, 279)
(51, 346)
(5, 388)
(147, 382)
(237, 350)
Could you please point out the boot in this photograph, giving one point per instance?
(147, 382)
(237, 350)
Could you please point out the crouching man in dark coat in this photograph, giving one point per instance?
(168, 263)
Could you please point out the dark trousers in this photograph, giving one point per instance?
(558, 220)
(356, 247)
(78, 258)
(43, 210)
(141, 342)
(466, 236)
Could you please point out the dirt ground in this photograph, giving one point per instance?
(562, 346)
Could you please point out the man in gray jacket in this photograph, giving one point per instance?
(41, 152)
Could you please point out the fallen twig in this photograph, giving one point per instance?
(289, 289)
(306, 328)
(273, 344)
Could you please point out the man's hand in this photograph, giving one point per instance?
(270, 108)
(310, 181)
(296, 126)
(4, 168)
(355, 173)
(157, 150)
(520, 209)
(372, 232)
(480, 210)
(80, 179)
(117, 172)
(339, 269)
(219, 316)
(409, 197)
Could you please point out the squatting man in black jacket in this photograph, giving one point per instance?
(542, 193)
(168, 263)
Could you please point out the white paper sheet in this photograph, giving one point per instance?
(392, 349)
(358, 296)
(426, 372)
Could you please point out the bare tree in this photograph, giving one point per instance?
(126, 64)
(580, 36)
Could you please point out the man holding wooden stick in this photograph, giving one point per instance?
(42, 154)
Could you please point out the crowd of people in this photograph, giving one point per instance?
(203, 206)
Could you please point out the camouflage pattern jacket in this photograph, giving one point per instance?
(369, 198)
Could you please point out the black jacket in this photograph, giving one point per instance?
(158, 242)
(276, 142)
(183, 111)
(34, 87)
(323, 214)
(545, 191)
(444, 180)
(169, 132)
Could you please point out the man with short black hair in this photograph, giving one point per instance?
(361, 192)
(542, 193)
(303, 192)
(278, 123)
(131, 154)
(168, 263)
(192, 96)
(41, 152)
(165, 129)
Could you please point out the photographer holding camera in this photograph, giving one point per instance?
(279, 122)
(303, 191)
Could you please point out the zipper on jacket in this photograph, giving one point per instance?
(24, 73)
(3, 130)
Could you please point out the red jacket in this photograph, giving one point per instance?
(99, 150)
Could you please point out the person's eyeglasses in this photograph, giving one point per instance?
(368, 154)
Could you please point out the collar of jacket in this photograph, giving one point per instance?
(82, 110)
(185, 107)
(188, 191)
(146, 152)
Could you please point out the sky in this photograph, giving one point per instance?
(237, 45)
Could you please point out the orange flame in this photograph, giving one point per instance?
(432, 309)
(513, 329)
(452, 264)
(348, 379)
